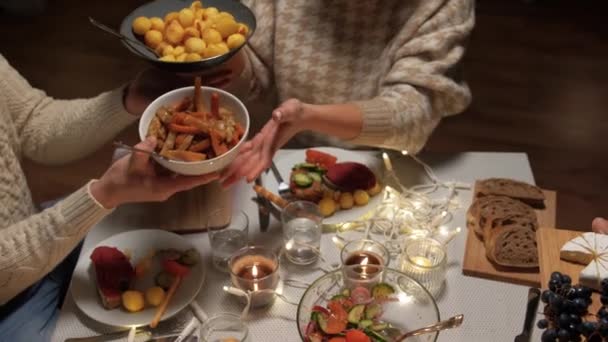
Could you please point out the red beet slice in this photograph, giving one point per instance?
(112, 268)
(350, 176)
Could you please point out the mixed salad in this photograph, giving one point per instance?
(352, 316)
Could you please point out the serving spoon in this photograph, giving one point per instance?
(117, 34)
(449, 323)
(136, 149)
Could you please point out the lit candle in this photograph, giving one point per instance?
(255, 270)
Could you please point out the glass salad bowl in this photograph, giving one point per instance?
(393, 305)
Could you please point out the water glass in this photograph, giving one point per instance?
(302, 222)
(226, 241)
(425, 260)
(224, 327)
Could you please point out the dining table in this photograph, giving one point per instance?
(493, 310)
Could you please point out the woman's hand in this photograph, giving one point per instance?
(600, 225)
(133, 179)
(152, 83)
(256, 155)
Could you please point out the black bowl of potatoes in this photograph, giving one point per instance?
(187, 36)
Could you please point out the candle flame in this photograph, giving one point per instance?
(254, 274)
(365, 261)
(387, 161)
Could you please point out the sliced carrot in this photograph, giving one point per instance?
(204, 126)
(179, 118)
(187, 156)
(216, 143)
(183, 105)
(198, 97)
(179, 139)
(200, 146)
(215, 105)
(184, 129)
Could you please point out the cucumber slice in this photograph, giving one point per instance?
(307, 166)
(356, 313)
(339, 296)
(379, 326)
(346, 292)
(315, 176)
(302, 180)
(375, 336)
(382, 290)
(365, 323)
(322, 321)
(372, 311)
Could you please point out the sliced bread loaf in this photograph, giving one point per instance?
(490, 207)
(524, 192)
(513, 245)
(499, 222)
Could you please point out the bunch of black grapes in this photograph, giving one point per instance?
(565, 308)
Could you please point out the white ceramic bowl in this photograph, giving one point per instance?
(227, 101)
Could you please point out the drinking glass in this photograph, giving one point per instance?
(425, 260)
(224, 327)
(302, 232)
(225, 241)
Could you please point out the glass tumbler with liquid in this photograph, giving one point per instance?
(224, 242)
(302, 222)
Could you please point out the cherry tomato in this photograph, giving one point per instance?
(356, 336)
(175, 268)
(317, 157)
(337, 339)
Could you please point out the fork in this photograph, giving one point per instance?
(283, 187)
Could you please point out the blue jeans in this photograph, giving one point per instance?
(31, 316)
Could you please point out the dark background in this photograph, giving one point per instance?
(538, 71)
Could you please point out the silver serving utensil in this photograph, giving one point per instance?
(120, 36)
(283, 187)
(135, 149)
(533, 298)
(449, 323)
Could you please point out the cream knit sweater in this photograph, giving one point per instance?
(49, 131)
(397, 59)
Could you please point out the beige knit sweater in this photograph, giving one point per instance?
(397, 59)
(49, 131)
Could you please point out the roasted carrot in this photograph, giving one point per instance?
(178, 118)
(198, 97)
(184, 129)
(200, 146)
(154, 127)
(216, 143)
(169, 143)
(163, 306)
(183, 105)
(187, 156)
(164, 115)
(179, 139)
(186, 142)
(238, 128)
(204, 126)
(215, 105)
(274, 198)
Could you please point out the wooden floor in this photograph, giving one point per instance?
(538, 71)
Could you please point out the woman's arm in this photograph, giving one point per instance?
(58, 131)
(31, 248)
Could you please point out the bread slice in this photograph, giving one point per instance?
(490, 207)
(524, 192)
(496, 223)
(513, 246)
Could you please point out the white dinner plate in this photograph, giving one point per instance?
(288, 159)
(137, 243)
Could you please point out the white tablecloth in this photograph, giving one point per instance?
(493, 310)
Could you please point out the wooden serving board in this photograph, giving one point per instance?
(550, 241)
(476, 263)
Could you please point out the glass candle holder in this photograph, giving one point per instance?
(254, 269)
(302, 232)
(425, 259)
(224, 327)
(363, 262)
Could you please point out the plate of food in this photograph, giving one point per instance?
(334, 310)
(129, 277)
(345, 184)
(187, 36)
(198, 129)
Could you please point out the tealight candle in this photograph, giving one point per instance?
(255, 270)
(363, 262)
(424, 259)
